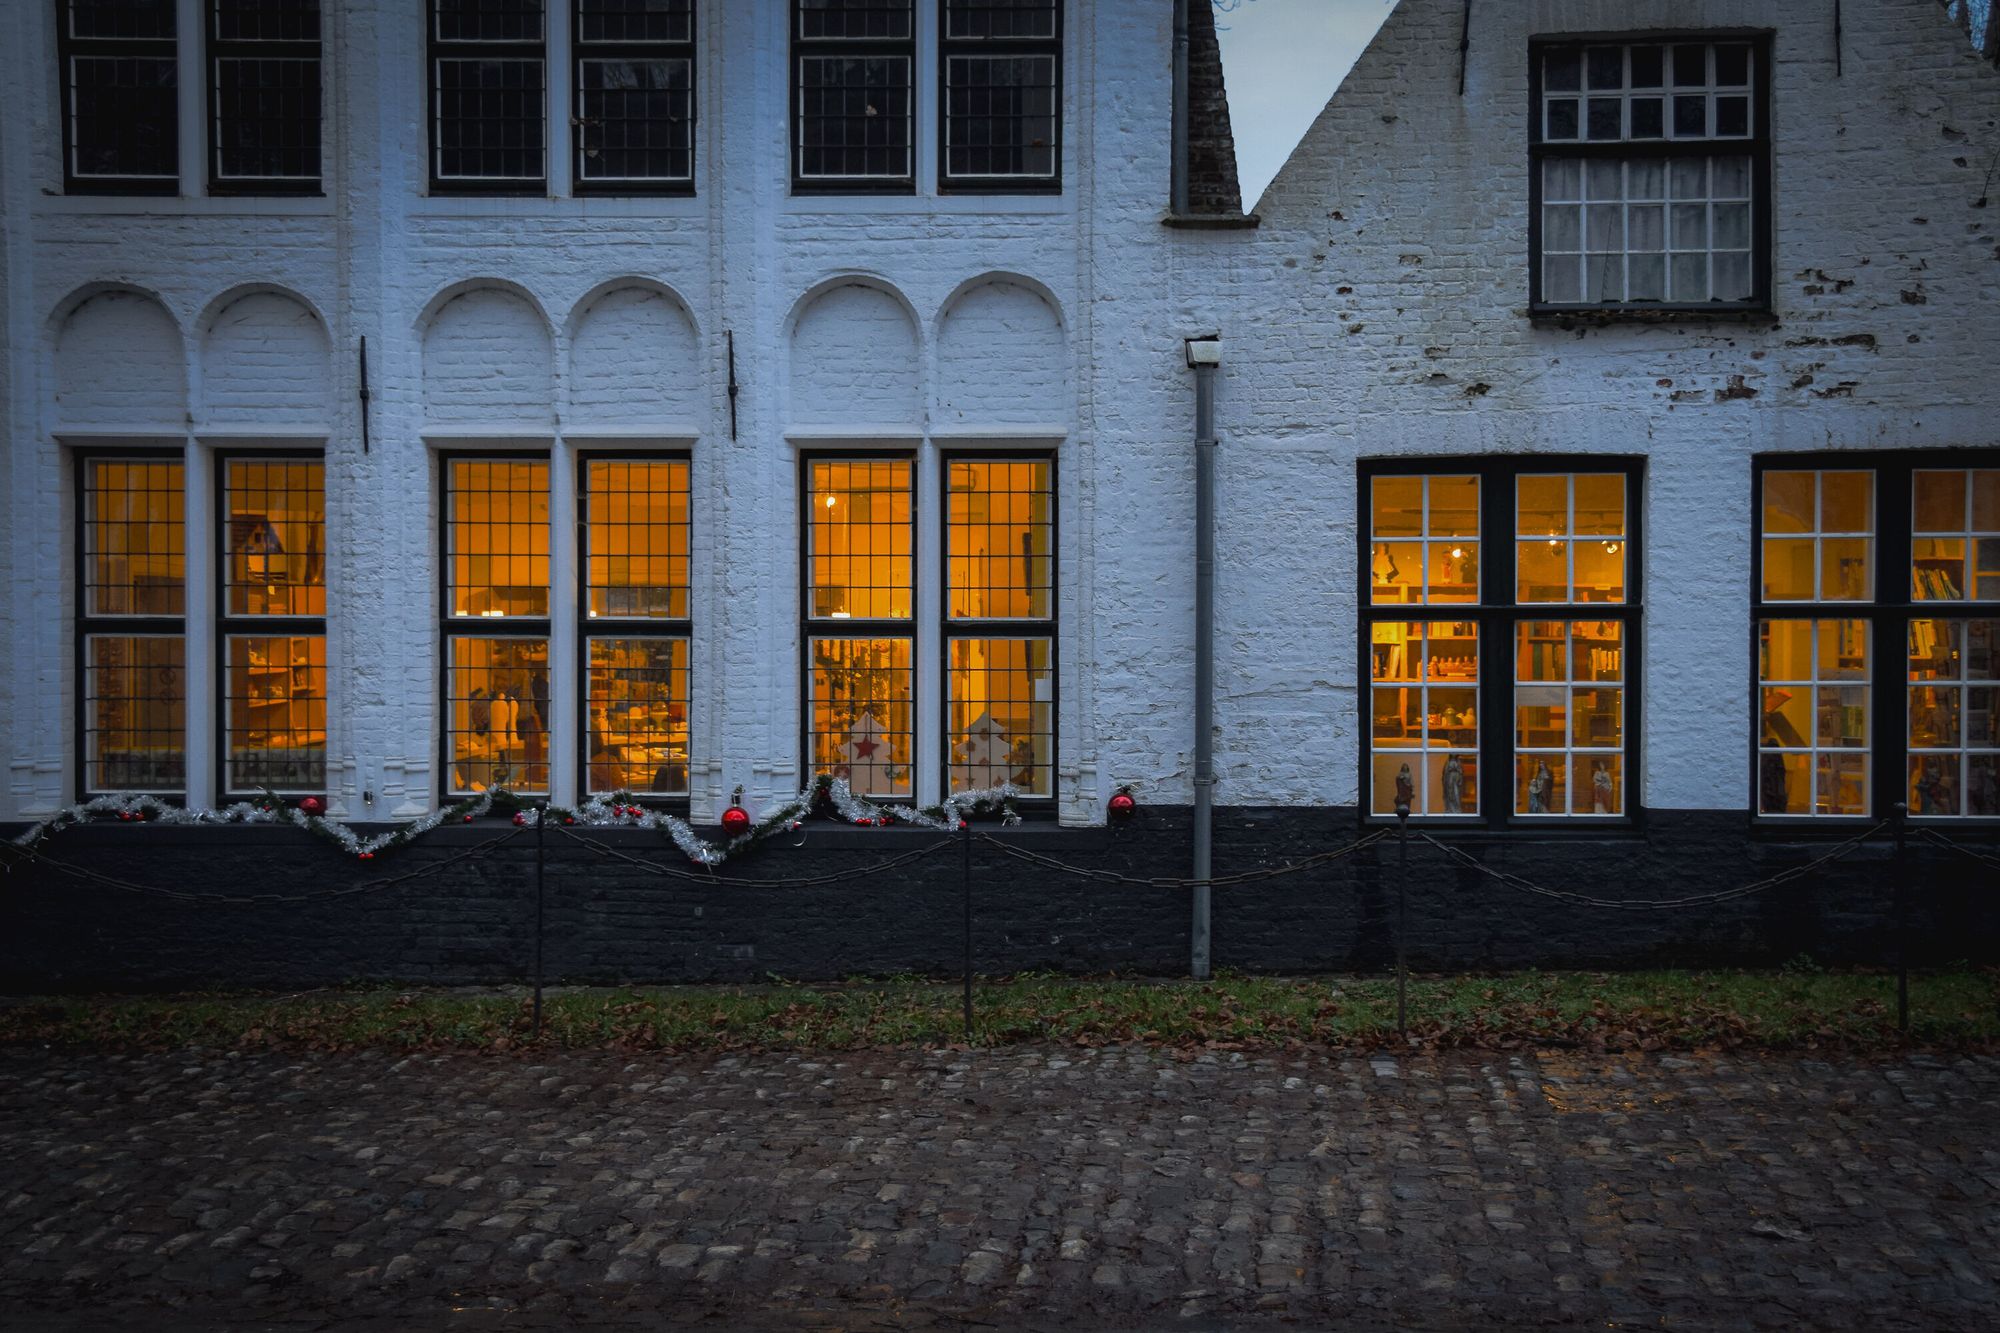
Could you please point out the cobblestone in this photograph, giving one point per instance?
(1019, 1188)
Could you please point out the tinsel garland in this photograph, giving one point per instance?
(271, 810)
(621, 809)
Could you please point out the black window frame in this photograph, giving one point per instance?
(1496, 618)
(436, 50)
(1887, 617)
(69, 48)
(1757, 145)
(948, 47)
(217, 49)
(228, 624)
(799, 50)
(627, 627)
(87, 623)
(580, 51)
(1038, 627)
(452, 627)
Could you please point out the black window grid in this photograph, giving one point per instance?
(1886, 615)
(853, 90)
(511, 744)
(1497, 617)
(271, 665)
(1000, 113)
(488, 81)
(635, 97)
(120, 96)
(845, 650)
(633, 643)
(130, 651)
(1716, 153)
(264, 96)
(504, 575)
(1023, 684)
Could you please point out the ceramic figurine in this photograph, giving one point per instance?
(1406, 788)
(1454, 786)
(1538, 789)
(1600, 792)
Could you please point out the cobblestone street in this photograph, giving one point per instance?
(1018, 1188)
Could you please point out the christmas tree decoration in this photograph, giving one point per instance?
(985, 757)
(312, 805)
(867, 755)
(1122, 806)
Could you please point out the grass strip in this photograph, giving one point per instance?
(1787, 1010)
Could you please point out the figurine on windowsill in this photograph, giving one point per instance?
(1600, 791)
(1538, 789)
(1406, 789)
(1454, 786)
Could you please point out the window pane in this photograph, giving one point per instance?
(1959, 560)
(496, 714)
(1001, 722)
(859, 539)
(1569, 722)
(1000, 116)
(854, 20)
(635, 20)
(1954, 722)
(1398, 506)
(1442, 567)
(638, 538)
(275, 539)
(274, 691)
(489, 119)
(264, 64)
(1000, 19)
(854, 117)
(859, 714)
(636, 119)
(1815, 565)
(124, 117)
(135, 713)
(637, 704)
(1425, 725)
(1813, 737)
(999, 540)
(135, 540)
(1571, 530)
(497, 537)
(488, 20)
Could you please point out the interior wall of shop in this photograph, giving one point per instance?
(606, 921)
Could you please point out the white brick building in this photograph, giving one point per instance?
(1379, 321)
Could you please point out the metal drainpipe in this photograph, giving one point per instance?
(1205, 356)
(1179, 194)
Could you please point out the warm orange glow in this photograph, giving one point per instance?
(275, 542)
(497, 537)
(276, 692)
(1002, 722)
(638, 538)
(637, 709)
(860, 713)
(135, 538)
(498, 708)
(1000, 531)
(858, 549)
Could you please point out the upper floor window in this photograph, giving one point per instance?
(121, 100)
(1650, 175)
(634, 81)
(1878, 635)
(489, 96)
(1002, 69)
(853, 94)
(264, 96)
(1498, 589)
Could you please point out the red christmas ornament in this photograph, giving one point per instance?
(468, 819)
(1122, 807)
(313, 806)
(569, 819)
(736, 820)
(367, 856)
(520, 819)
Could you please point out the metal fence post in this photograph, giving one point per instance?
(1403, 925)
(541, 875)
(965, 846)
(1900, 817)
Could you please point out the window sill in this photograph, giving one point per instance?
(1564, 318)
(1211, 221)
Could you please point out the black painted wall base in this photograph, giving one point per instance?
(607, 921)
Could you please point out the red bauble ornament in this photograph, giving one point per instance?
(736, 821)
(1122, 807)
(366, 856)
(569, 819)
(313, 806)
(468, 819)
(520, 819)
